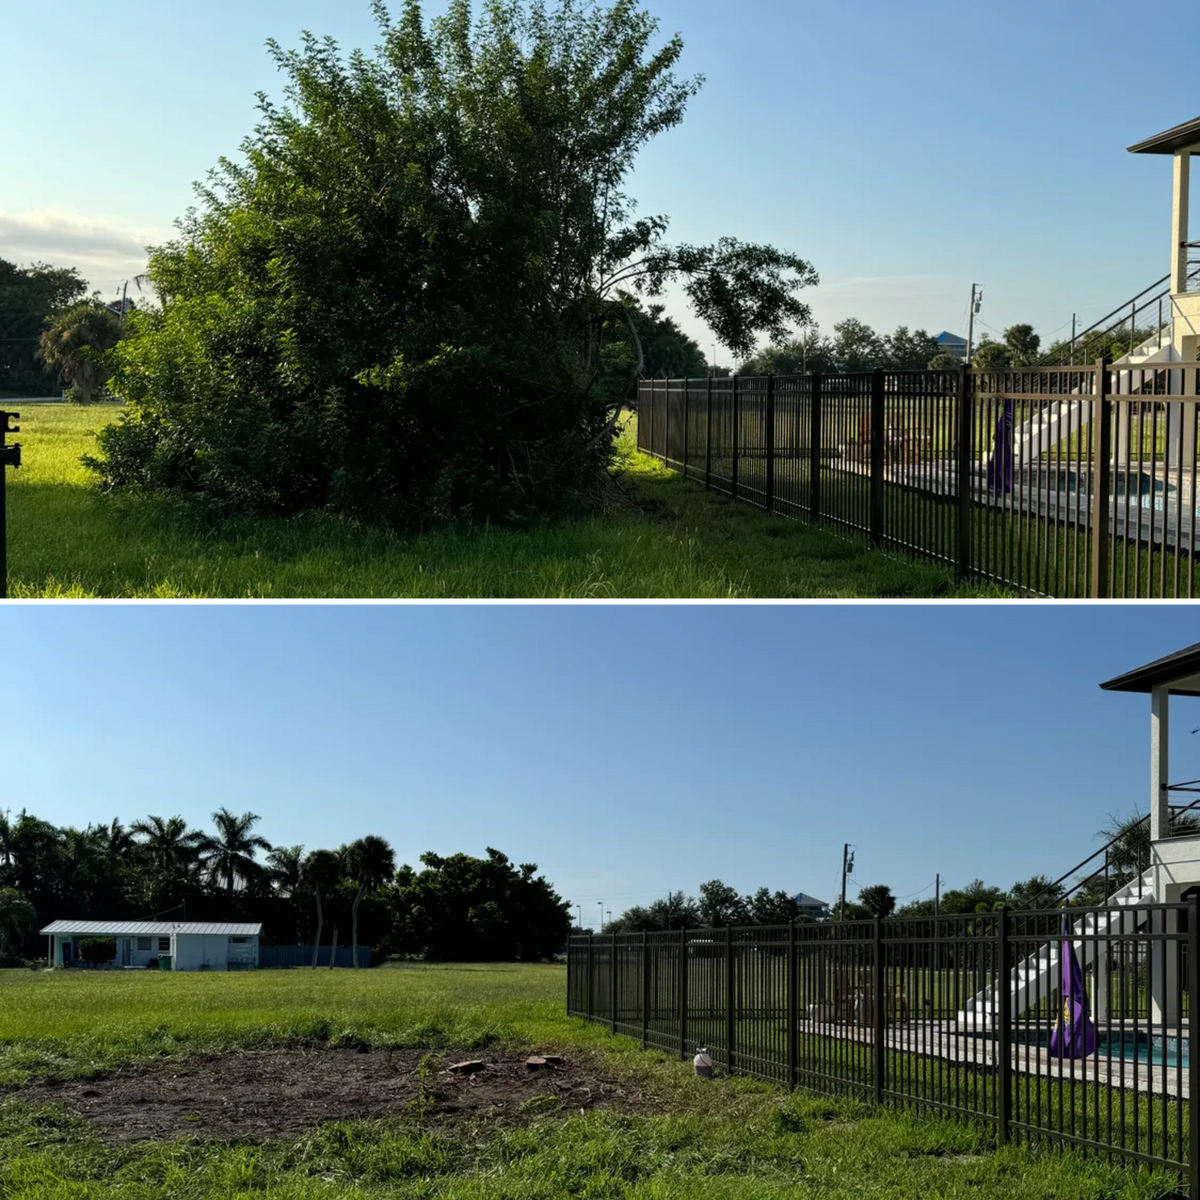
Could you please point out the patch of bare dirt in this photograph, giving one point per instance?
(259, 1095)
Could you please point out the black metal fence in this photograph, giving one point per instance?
(1057, 481)
(1063, 1026)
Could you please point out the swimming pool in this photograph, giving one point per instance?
(1156, 1048)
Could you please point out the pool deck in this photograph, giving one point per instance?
(976, 1048)
(938, 479)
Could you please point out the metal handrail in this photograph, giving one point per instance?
(1112, 321)
(1050, 889)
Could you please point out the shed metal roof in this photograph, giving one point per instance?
(1172, 140)
(151, 928)
(1179, 667)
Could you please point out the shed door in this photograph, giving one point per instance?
(215, 952)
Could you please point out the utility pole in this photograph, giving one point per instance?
(937, 895)
(601, 903)
(124, 289)
(976, 301)
(847, 867)
(579, 908)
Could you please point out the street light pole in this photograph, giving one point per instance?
(601, 904)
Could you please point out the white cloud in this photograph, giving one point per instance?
(104, 249)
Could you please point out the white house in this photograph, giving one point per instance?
(190, 945)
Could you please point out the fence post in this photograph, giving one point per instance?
(737, 435)
(612, 982)
(685, 427)
(645, 989)
(964, 458)
(814, 450)
(683, 993)
(729, 1000)
(591, 988)
(877, 444)
(667, 421)
(770, 443)
(793, 1007)
(1193, 983)
(878, 1012)
(708, 439)
(1004, 1067)
(1102, 452)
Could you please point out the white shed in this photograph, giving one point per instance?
(191, 945)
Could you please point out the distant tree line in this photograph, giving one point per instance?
(450, 908)
(718, 904)
(855, 346)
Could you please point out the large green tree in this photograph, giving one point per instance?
(29, 296)
(398, 304)
(17, 918)
(320, 873)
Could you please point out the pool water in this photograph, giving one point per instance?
(1154, 1048)
(1143, 483)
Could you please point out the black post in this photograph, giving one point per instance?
(793, 1008)
(729, 1000)
(1102, 455)
(10, 456)
(685, 427)
(770, 498)
(645, 990)
(878, 1012)
(877, 445)
(591, 968)
(964, 458)
(1004, 1067)
(612, 982)
(666, 422)
(814, 450)
(683, 993)
(737, 434)
(1193, 976)
(708, 440)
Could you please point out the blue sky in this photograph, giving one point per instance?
(627, 750)
(907, 150)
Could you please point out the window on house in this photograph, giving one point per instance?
(164, 945)
(143, 943)
(239, 939)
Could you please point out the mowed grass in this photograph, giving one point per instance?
(730, 1139)
(660, 537)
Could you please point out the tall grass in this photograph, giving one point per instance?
(660, 537)
(733, 1139)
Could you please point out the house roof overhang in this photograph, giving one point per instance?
(1171, 141)
(1179, 671)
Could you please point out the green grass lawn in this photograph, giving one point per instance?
(729, 1139)
(661, 537)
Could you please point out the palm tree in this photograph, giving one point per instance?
(230, 855)
(73, 341)
(369, 861)
(283, 869)
(17, 917)
(320, 872)
(168, 845)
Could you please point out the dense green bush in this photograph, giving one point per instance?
(97, 950)
(405, 303)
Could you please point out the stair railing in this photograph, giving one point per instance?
(1119, 862)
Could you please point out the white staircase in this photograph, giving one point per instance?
(1060, 419)
(1040, 975)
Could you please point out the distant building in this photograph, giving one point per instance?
(810, 906)
(186, 946)
(951, 343)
